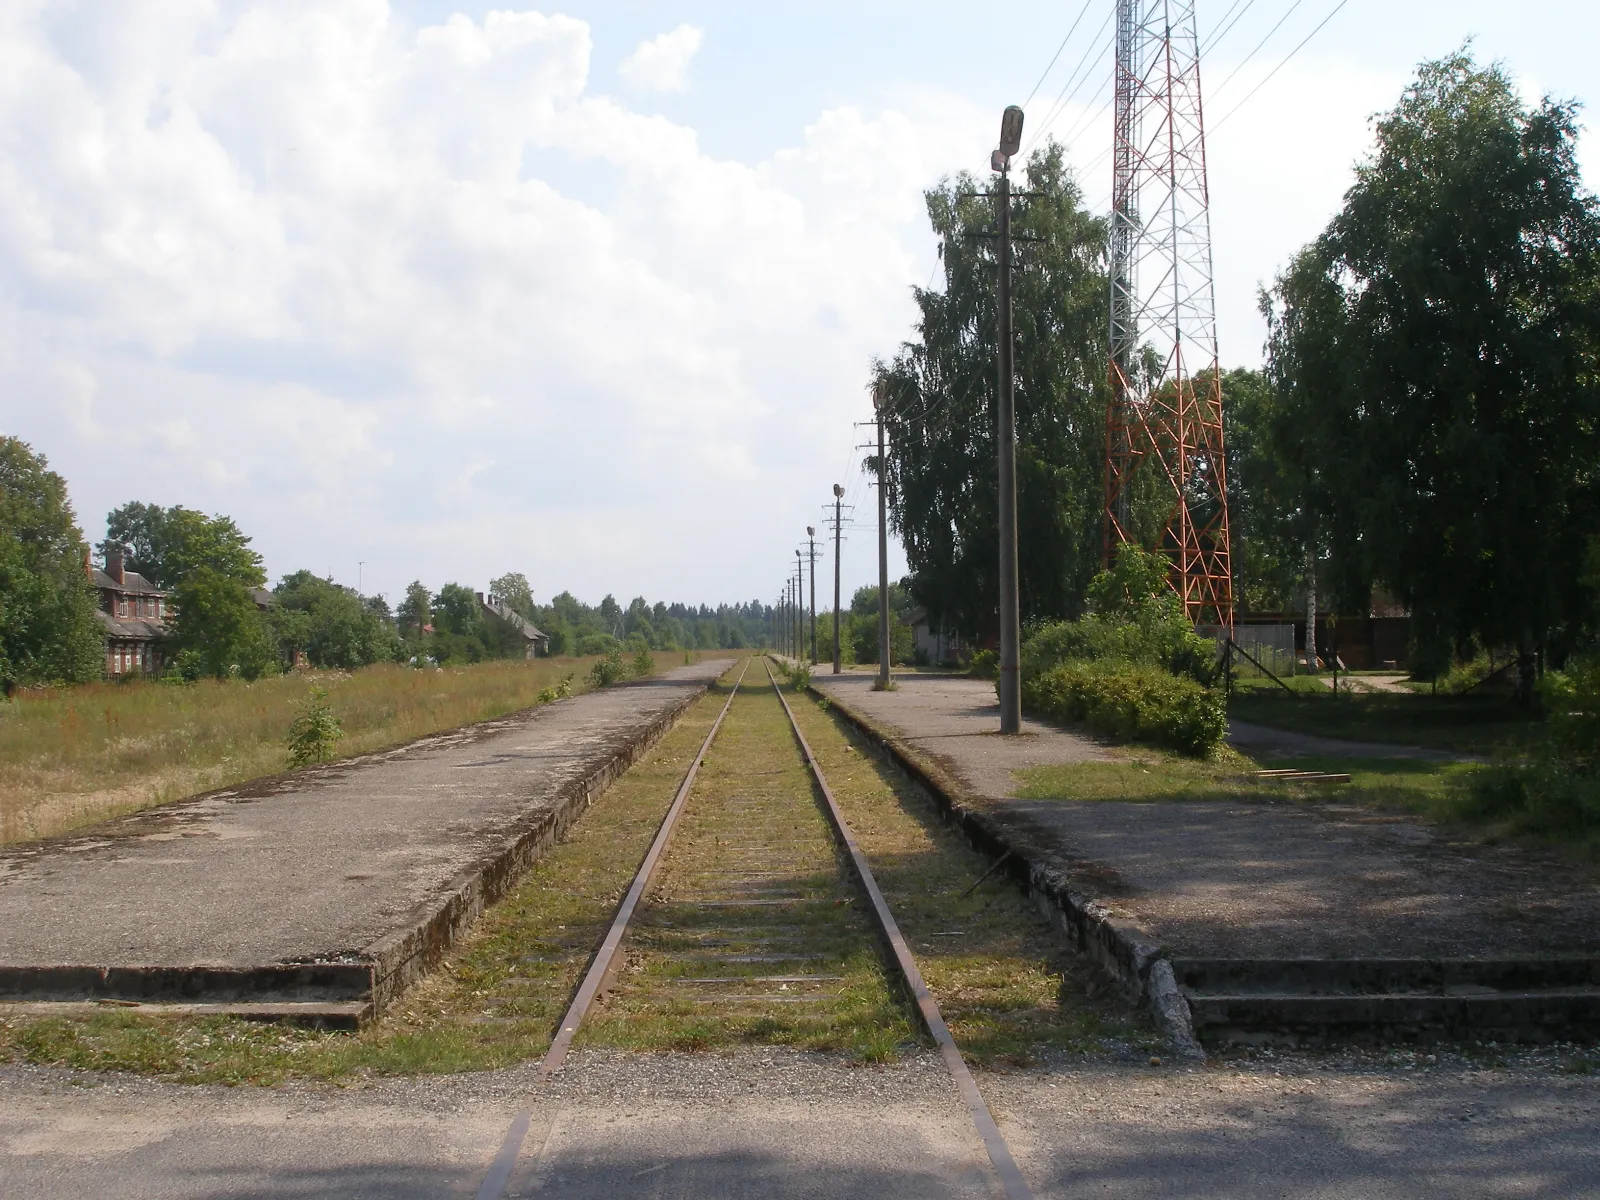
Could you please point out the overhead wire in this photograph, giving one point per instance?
(1245, 61)
(1057, 54)
(1074, 84)
(1282, 62)
(1224, 26)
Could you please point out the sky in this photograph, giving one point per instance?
(419, 290)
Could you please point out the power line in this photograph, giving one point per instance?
(1059, 49)
(1280, 65)
(1224, 26)
(1257, 50)
(1077, 77)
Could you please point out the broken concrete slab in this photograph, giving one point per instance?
(334, 884)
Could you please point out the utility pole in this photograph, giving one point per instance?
(811, 535)
(838, 514)
(1010, 613)
(799, 605)
(879, 402)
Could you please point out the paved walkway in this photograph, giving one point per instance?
(1247, 879)
(776, 1123)
(322, 864)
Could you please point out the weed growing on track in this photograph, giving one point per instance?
(72, 756)
(1009, 988)
(493, 1002)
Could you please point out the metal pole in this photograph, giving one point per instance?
(811, 535)
(838, 513)
(883, 554)
(1010, 617)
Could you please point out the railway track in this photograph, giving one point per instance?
(755, 904)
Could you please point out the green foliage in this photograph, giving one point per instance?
(1269, 525)
(1131, 703)
(167, 544)
(560, 691)
(512, 590)
(1137, 620)
(1433, 354)
(610, 669)
(415, 611)
(643, 665)
(940, 419)
(598, 643)
(985, 665)
(331, 624)
(796, 674)
(48, 630)
(315, 731)
(1556, 793)
(219, 631)
(860, 631)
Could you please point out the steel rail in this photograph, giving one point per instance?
(1016, 1187)
(505, 1161)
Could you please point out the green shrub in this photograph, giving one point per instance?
(560, 691)
(596, 643)
(1557, 792)
(643, 665)
(1545, 796)
(609, 669)
(315, 731)
(985, 665)
(1157, 634)
(796, 674)
(1130, 702)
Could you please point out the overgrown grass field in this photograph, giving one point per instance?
(73, 756)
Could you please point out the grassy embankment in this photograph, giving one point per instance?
(1484, 727)
(1008, 986)
(73, 756)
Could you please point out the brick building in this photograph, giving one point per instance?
(133, 613)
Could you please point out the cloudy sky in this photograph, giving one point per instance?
(587, 292)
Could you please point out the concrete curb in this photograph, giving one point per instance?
(1139, 966)
(402, 957)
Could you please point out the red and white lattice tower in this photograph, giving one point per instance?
(1165, 414)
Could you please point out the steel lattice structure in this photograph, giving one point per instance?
(1165, 412)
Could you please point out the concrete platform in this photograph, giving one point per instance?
(1233, 880)
(333, 885)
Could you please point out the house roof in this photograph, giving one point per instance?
(133, 584)
(506, 613)
(131, 628)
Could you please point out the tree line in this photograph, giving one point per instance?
(1427, 422)
(223, 622)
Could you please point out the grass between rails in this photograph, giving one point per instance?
(752, 932)
(1007, 983)
(494, 1001)
(71, 757)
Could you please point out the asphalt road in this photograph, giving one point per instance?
(783, 1124)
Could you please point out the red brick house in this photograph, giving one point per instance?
(133, 613)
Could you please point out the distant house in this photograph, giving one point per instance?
(934, 646)
(133, 613)
(535, 643)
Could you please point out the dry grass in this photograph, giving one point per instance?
(71, 757)
(1009, 987)
(752, 932)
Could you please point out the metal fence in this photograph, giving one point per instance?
(1270, 645)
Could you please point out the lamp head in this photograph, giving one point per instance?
(838, 492)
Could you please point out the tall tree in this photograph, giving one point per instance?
(1435, 352)
(48, 630)
(512, 590)
(941, 411)
(165, 544)
(218, 630)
